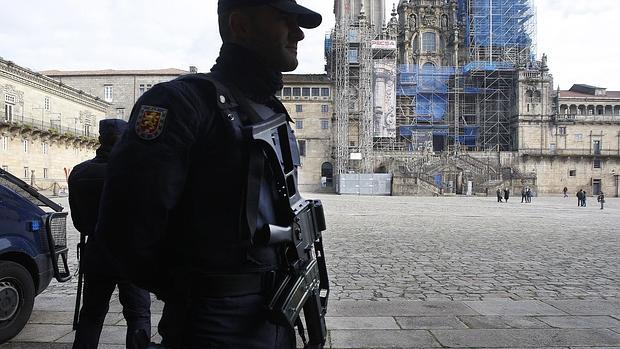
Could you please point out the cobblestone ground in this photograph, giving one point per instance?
(457, 248)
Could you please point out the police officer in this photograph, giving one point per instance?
(85, 186)
(184, 194)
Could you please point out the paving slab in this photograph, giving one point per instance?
(54, 303)
(587, 307)
(510, 307)
(526, 338)
(66, 317)
(109, 335)
(398, 308)
(499, 322)
(42, 333)
(40, 346)
(430, 322)
(361, 323)
(382, 339)
(53, 346)
(596, 321)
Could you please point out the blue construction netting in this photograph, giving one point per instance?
(497, 23)
(489, 66)
(470, 135)
(429, 85)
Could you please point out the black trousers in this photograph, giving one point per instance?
(136, 304)
(229, 322)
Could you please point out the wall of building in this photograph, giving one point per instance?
(126, 89)
(555, 173)
(314, 126)
(46, 127)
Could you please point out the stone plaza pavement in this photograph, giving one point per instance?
(444, 272)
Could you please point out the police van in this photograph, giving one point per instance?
(33, 250)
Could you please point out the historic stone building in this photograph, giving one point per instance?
(577, 144)
(308, 99)
(120, 88)
(475, 109)
(46, 127)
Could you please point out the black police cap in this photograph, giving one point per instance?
(305, 17)
(110, 129)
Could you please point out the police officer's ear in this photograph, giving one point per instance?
(240, 25)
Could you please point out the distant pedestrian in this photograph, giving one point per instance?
(565, 192)
(601, 199)
(528, 195)
(506, 194)
(584, 196)
(579, 197)
(499, 195)
(523, 192)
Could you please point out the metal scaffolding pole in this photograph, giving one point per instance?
(365, 94)
(340, 68)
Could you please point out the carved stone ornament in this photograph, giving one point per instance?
(429, 20)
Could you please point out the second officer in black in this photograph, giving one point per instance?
(176, 200)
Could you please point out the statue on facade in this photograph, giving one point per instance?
(411, 25)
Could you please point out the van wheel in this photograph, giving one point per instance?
(16, 299)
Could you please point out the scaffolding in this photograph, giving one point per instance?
(469, 106)
(365, 94)
(350, 63)
(338, 60)
(500, 31)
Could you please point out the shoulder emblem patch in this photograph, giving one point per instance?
(150, 122)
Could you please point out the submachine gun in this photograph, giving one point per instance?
(305, 286)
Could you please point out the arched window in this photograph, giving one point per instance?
(428, 67)
(429, 42)
(327, 172)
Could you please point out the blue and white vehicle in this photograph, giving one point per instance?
(33, 250)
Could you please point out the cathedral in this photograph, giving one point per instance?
(449, 96)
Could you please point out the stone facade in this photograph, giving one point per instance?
(374, 9)
(577, 145)
(426, 33)
(308, 99)
(46, 127)
(120, 88)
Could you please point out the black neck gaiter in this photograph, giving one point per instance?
(242, 67)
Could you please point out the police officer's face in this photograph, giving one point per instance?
(274, 35)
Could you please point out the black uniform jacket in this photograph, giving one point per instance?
(85, 186)
(173, 203)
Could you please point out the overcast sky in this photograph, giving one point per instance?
(580, 37)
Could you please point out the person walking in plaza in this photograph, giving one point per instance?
(523, 192)
(190, 191)
(601, 199)
(528, 195)
(506, 194)
(579, 197)
(584, 197)
(498, 192)
(565, 191)
(100, 273)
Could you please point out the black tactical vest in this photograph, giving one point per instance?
(211, 218)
